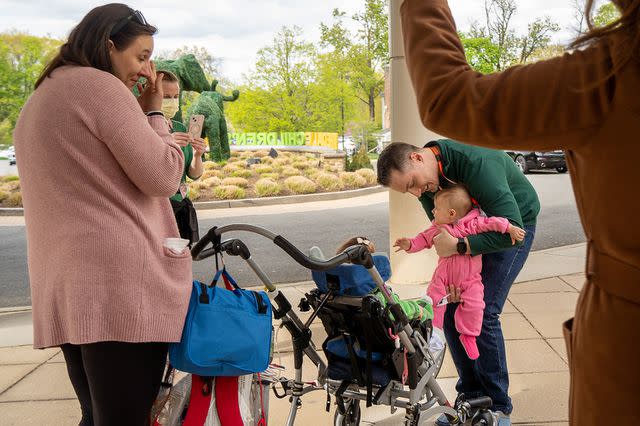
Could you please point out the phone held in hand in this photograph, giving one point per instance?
(195, 125)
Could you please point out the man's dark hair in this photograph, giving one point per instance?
(88, 43)
(394, 157)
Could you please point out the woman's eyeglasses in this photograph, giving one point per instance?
(136, 16)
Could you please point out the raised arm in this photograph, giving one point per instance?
(142, 145)
(423, 240)
(525, 107)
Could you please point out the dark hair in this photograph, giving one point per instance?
(628, 22)
(88, 43)
(394, 157)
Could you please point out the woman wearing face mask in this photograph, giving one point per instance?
(103, 286)
(192, 148)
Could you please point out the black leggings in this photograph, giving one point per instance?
(116, 382)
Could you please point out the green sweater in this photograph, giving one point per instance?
(187, 151)
(493, 179)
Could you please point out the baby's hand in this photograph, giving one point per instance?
(517, 234)
(402, 244)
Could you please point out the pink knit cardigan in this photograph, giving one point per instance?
(96, 175)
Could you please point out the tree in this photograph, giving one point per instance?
(280, 86)
(22, 59)
(496, 46)
(606, 14)
(372, 53)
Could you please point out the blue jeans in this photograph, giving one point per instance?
(488, 375)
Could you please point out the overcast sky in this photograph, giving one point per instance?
(235, 29)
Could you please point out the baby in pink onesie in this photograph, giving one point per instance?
(454, 211)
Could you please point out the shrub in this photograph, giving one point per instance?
(368, 175)
(262, 168)
(210, 165)
(300, 164)
(242, 173)
(261, 153)
(312, 172)
(235, 181)
(9, 178)
(281, 161)
(272, 176)
(360, 160)
(210, 173)
(300, 185)
(352, 180)
(212, 181)
(228, 192)
(14, 199)
(328, 181)
(267, 160)
(4, 195)
(230, 168)
(290, 171)
(199, 184)
(11, 186)
(267, 188)
(194, 193)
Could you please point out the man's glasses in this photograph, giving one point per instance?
(136, 16)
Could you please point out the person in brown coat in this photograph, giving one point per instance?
(585, 102)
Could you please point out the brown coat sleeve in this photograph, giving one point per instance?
(547, 105)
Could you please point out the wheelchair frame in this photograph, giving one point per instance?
(421, 403)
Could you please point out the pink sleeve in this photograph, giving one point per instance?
(142, 145)
(487, 224)
(424, 239)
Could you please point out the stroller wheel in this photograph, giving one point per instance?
(351, 416)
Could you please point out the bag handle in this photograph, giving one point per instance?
(229, 282)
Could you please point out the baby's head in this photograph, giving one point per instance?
(451, 204)
(357, 240)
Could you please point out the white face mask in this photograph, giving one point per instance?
(169, 107)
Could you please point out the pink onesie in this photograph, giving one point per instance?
(464, 272)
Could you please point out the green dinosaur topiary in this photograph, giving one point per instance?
(189, 73)
(210, 104)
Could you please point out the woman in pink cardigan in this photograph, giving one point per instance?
(97, 168)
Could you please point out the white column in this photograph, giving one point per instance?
(406, 216)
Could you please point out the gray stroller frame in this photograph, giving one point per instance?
(422, 401)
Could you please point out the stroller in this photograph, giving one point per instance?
(374, 353)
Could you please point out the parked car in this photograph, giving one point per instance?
(536, 160)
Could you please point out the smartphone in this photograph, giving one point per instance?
(195, 125)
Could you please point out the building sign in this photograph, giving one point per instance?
(329, 140)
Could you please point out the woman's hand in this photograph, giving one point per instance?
(181, 138)
(151, 95)
(199, 146)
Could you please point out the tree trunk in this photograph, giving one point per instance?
(372, 105)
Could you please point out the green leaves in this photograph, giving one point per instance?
(496, 46)
(22, 59)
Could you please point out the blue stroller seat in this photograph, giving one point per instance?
(359, 346)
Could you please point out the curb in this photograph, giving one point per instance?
(255, 202)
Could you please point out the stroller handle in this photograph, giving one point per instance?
(355, 254)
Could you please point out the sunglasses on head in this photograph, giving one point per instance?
(136, 16)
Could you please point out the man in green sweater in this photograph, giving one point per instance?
(500, 189)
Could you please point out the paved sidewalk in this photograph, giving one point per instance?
(35, 389)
